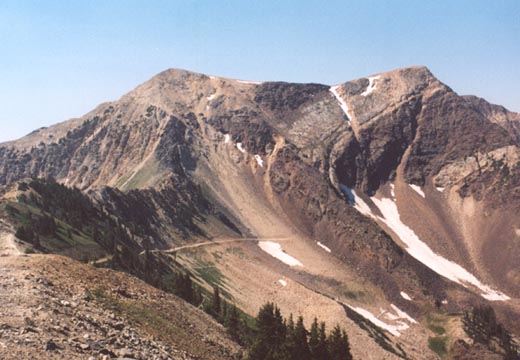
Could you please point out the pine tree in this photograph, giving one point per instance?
(225, 310)
(232, 323)
(318, 341)
(36, 241)
(301, 347)
(322, 351)
(216, 303)
(25, 233)
(270, 334)
(338, 345)
(183, 286)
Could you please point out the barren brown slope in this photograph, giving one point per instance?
(53, 307)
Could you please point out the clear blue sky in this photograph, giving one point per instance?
(59, 59)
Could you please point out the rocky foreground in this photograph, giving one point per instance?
(56, 308)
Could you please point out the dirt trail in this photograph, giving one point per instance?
(217, 242)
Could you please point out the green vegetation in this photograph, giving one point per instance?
(209, 273)
(436, 323)
(277, 338)
(269, 336)
(438, 344)
(350, 294)
(51, 217)
(56, 219)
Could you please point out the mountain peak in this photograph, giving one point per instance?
(363, 186)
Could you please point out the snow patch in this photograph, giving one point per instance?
(239, 147)
(249, 82)
(392, 329)
(323, 247)
(342, 103)
(418, 190)
(440, 189)
(282, 282)
(402, 315)
(211, 97)
(356, 201)
(425, 254)
(388, 315)
(392, 190)
(227, 137)
(259, 160)
(371, 85)
(275, 250)
(405, 296)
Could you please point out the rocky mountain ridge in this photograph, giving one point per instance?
(380, 171)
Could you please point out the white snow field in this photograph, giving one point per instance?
(392, 190)
(405, 296)
(259, 160)
(418, 190)
(323, 247)
(342, 103)
(394, 329)
(355, 200)
(402, 315)
(425, 254)
(240, 148)
(249, 82)
(371, 85)
(275, 250)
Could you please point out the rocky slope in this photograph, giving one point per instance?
(91, 313)
(378, 187)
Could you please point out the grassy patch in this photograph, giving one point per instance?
(236, 251)
(66, 240)
(438, 344)
(436, 323)
(210, 274)
(350, 294)
(439, 330)
(141, 178)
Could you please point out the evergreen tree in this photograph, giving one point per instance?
(338, 345)
(318, 341)
(25, 233)
(223, 311)
(232, 323)
(216, 305)
(36, 241)
(270, 335)
(314, 338)
(183, 287)
(299, 348)
(290, 325)
(322, 351)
